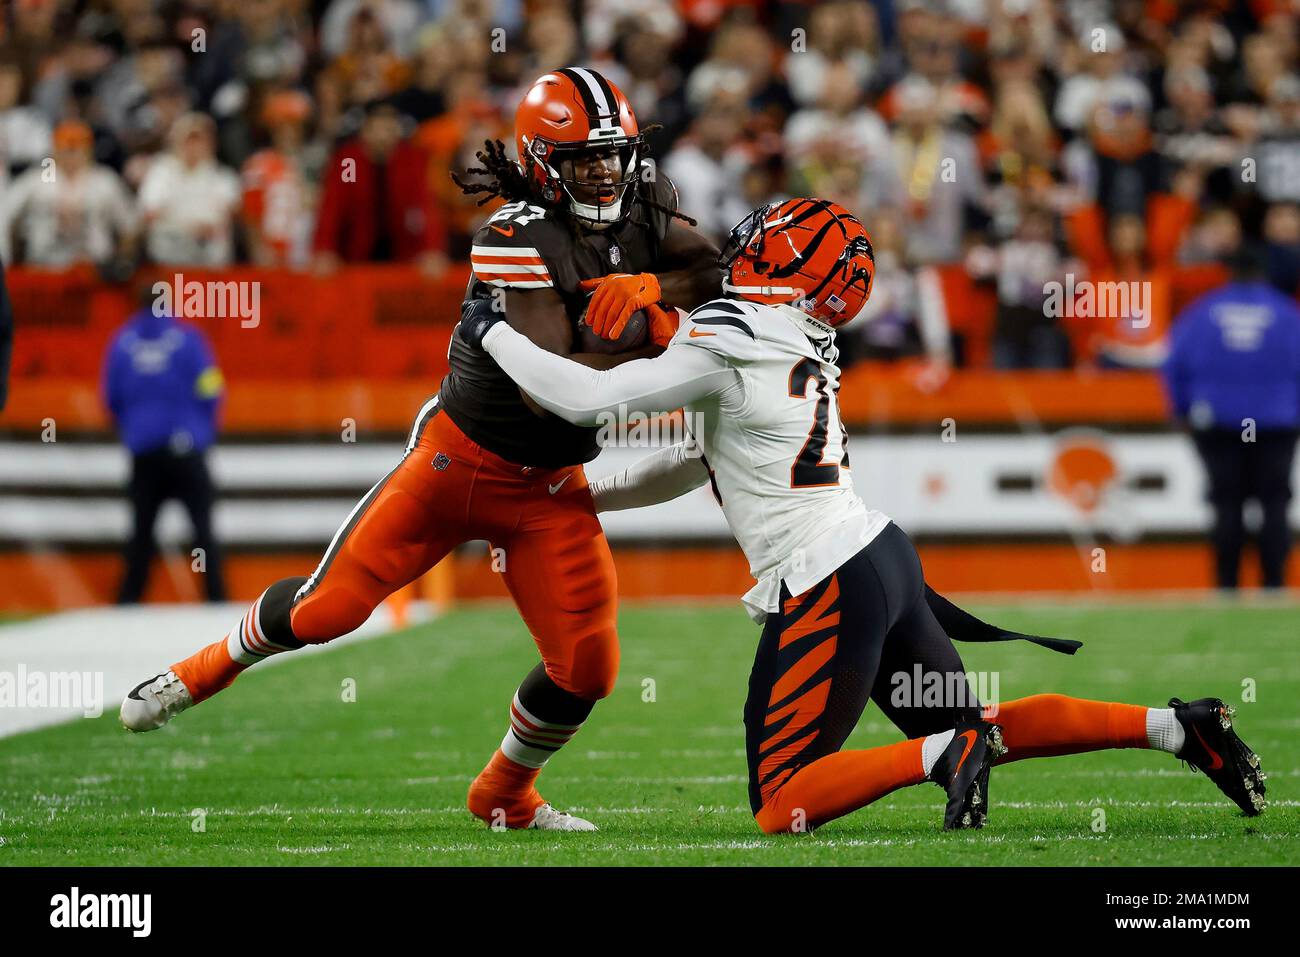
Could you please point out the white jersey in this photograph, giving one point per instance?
(759, 384)
(775, 446)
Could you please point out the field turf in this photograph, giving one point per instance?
(280, 769)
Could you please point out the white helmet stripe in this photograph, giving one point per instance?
(603, 105)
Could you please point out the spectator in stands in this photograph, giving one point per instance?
(368, 68)
(841, 33)
(1118, 167)
(163, 390)
(1282, 247)
(189, 200)
(707, 168)
(259, 48)
(1233, 375)
(840, 130)
(450, 141)
(75, 211)
(1277, 152)
(398, 22)
(24, 131)
(906, 315)
(1018, 152)
(1191, 131)
(278, 196)
(940, 172)
(1027, 334)
(641, 65)
(376, 204)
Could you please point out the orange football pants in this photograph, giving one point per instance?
(542, 526)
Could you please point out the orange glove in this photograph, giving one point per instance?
(615, 298)
(663, 324)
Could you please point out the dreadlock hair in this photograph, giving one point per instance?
(511, 182)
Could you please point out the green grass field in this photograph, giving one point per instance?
(286, 772)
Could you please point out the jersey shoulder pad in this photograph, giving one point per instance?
(723, 326)
(519, 247)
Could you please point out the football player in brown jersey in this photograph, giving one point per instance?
(589, 229)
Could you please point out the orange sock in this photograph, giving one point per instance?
(1044, 725)
(838, 783)
(208, 670)
(505, 786)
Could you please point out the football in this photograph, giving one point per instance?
(636, 334)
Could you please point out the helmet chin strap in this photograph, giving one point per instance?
(590, 216)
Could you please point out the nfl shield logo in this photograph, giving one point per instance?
(441, 461)
(615, 255)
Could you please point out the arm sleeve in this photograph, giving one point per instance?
(581, 395)
(657, 478)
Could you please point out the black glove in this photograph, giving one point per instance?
(477, 316)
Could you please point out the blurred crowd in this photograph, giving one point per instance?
(1018, 141)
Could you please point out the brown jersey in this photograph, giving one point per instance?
(525, 247)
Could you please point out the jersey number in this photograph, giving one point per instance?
(808, 470)
(521, 213)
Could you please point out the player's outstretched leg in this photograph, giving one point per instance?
(262, 632)
(1199, 733)
(401, 528)
(818, 660)
(560, 573)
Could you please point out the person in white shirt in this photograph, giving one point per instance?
(73, 211)
(845, 609)
(189, 200)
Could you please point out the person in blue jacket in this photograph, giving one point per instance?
(1233, 375)
(163, 389)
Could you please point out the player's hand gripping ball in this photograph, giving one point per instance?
(624, 314)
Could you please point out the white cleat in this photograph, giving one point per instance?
(549, 819)
(154, 702)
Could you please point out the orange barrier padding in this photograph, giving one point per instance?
(363, 321)
(369, 343)
(876, 394)
(872, 396)
(48, 580)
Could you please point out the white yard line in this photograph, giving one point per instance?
(114, 649)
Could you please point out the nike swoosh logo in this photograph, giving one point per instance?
(1218, 761)
(510, 231)
(969, 744)
(556, 487)
(696, 334)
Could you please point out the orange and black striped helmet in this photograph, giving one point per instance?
(809, 253)
(575, 114)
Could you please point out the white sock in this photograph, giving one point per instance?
(932, 747)
(1164, 733)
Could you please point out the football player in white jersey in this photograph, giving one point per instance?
(840, 590)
